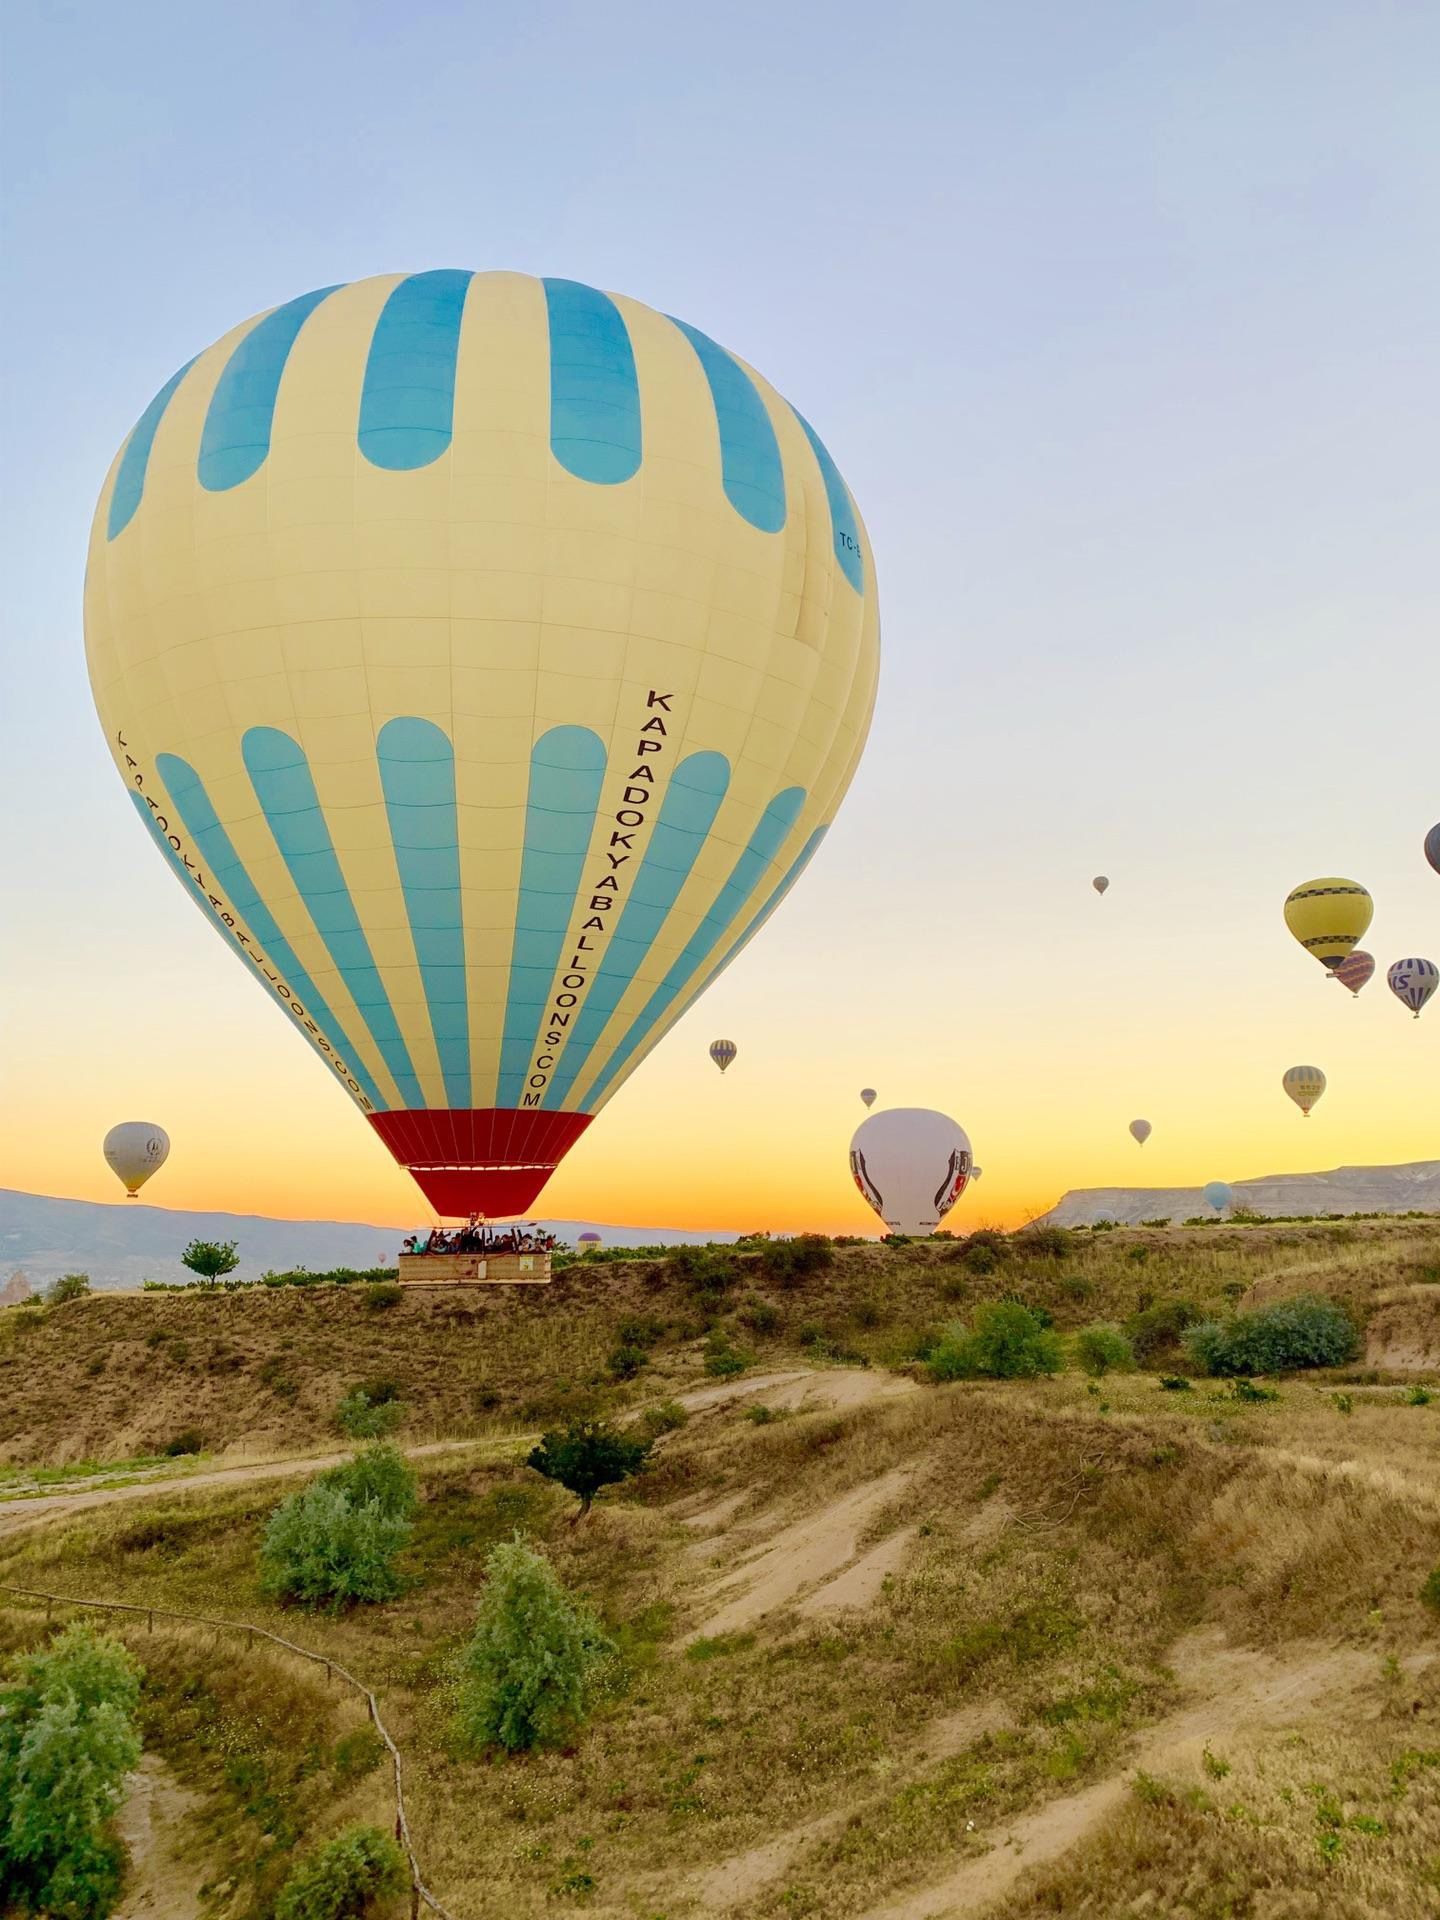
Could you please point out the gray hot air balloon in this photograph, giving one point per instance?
(867, 1094)
(1432, 847)
(1100, 883)
(1141, 1130)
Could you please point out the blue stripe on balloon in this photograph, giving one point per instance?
(280, 775)
(135, 461)
(202, 823)
(687, 814)
(594, 391)
(407, 403)
(417, 771)
(842, 512)
(732, 899)
(750, 462)
(567, 765)
(236, 438)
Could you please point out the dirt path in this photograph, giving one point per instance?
(158, 1885)
(1246, 1693)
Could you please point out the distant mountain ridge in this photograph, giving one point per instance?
(1407, 1189)
(124, 1244)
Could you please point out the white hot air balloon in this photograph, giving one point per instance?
(1304, 1086)
(134, 1150)
(867, 1094)
(1100, 883)
(1141, 1130)
(912, 1165)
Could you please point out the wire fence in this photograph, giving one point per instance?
(420, 1894)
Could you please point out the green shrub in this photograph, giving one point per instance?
(210, 1258)
(704, 1269)
(668, 1417)
(1247, 1390)
(587, 1456)
(639, 1330)
(532, 1665)
(1174, 1383)
(1430, 1590)
(377, 1473)
(625, 1362)
(981, 1259)
(188, 1440)
(383, 1294)
(1043, 1243)
(723, 1359)
(70, 1286)
(362, 1418)
(1005, 1342)
(1103, 1349)
(1305, 1331)
(320, 1547)
(67, 1740)
(343, 1879)
(1157, 1329)
(785, 1263)
(760, 1316)
(1417, 1397)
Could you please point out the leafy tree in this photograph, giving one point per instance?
(70, 1286)
(532, 1665)
(1103, 1349)
(322, 1546)
(362, 1417)
(210, 1258)
(67, 1740)
(1158, 1328)
(1306, 1331)
(787, 1262)
(377, 1473)
(343, 1879)
(587, 1456)
(1005, 1342)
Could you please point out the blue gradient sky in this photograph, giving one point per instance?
(1121, 321)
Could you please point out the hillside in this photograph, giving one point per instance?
(884, 1650)
(1407, 1189)
(127, 1243)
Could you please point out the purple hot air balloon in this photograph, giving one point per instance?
(1432, 847)
(1354, 970)
(1413, 981)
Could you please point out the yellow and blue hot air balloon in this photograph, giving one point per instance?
(488, 656)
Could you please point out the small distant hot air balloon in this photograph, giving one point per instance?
(1328, 917)
(1432, 847)
(1218, 1195)
(1413, 982)
(1141, 1130)
(912, 1164)
(136, 1149)
(588, 1243)
(1100, 883)
(867, 1094)
(1304, 1086)
(722, 1052)
(1355, 970)
(975, 1172)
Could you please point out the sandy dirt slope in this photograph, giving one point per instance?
(159, 1885)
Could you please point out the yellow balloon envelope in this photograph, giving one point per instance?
(1328, 917)
(488, 656)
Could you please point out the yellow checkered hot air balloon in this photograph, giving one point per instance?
(1328, 917)
(488, 657)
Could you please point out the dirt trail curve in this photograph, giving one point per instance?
(1246, 1693)
(158, 1884)
(829, 1387)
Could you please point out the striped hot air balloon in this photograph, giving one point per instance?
(1304, 1086)
(1354, 970)
(1328, 917)
(488, 657)
(722, 1052)
(1412, 982)
(1432, 847)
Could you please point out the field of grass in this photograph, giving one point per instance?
(878, 1651)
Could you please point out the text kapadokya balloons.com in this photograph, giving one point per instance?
(488, 656)
(722, 1052)
(1328, 917)
(1304, 1086)
(133, 1151)
(1141, 1130)
(1412, 982)
(1217, 1195)
(912, 1165)
(1354, 970)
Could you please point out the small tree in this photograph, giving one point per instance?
(70, 1286)
(1306, 1331)
(1104, 1349)
(364, 1418)
(343, 1879)
(210, 1258)
(67, 1740)
(587, 1456)
(377, 1473)
(321, 1546)
(531, 1667)
(1006, 1342)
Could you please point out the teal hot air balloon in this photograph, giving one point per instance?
(1218, 1195)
